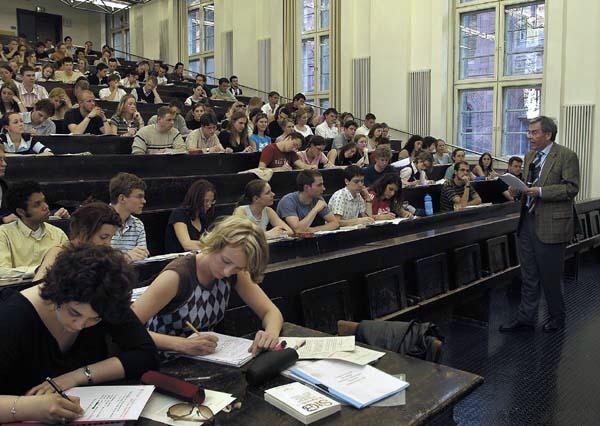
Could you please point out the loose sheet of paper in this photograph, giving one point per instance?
(158, 405)
(161, 257)
(111, 403)
(320, 347)
(513, 181)
(230, 350)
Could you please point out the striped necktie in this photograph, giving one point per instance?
(535, 175)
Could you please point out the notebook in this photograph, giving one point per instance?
(232, 351)
(302, 402)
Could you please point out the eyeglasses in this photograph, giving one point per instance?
(187, 411)
(533, 132)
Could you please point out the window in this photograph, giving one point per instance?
(498, 75)
(119, 32)
(315, 51)
(201, 36)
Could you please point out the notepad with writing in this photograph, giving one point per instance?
(357, 385)
(302, 402)
(232, 351)
(109, 404)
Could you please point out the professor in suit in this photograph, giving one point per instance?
(546, 225)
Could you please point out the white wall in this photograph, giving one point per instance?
(80, 25)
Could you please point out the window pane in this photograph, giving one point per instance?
(127, 45)
(117, 42)
(324, 104)
(192, 2)
(324, 12)
(209, 68)
(308, 15)
(324, 63)
(194, 66)
(193, 31)
(520, 105)
(477, 41)
(524, 39)
(308, 65)
(209, 28)
(475, 119)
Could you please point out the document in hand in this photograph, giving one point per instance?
(109, 404)
(513, 181)
(301, 402)
(232, 351)
(356, 385)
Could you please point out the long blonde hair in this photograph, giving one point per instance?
(238, 231)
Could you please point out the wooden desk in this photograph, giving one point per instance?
(433, 392)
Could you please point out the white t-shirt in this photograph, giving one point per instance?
(106, 92)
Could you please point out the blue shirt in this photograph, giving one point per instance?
(260, 141)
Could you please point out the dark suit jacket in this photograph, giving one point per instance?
(554, 211)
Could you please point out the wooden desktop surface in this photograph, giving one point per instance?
(434, 390)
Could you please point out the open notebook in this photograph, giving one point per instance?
(232, 351)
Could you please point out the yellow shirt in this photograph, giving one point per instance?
(22, 250)
(61, 76)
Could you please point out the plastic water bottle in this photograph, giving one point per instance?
(428, 205)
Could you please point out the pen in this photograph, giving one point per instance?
(57, 388)
(299, 345)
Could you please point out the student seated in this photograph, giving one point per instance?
(192, 118)
(13, 137)
(441, 156)
(381, 165)
(345, 136)
(301, 122)
(24, 242)
(415, 173)
(61, 101)
(198, 95)
(313, 155)
(5, 214)
(65, 71)
(127, 120)
(412, 148)
(29, 92)
(282, 156)
(88, 118)
(176, 107)
(221, 92)
(300, 209)
(93, 223)
(386, 198)
(204, 138)
(458, 154)
(259, 133)
(328, 129)
(37, 122)
(457, 192)
(350, 154)
(101, 75)
(77, 328)
(485, 168)
(368, 122)
(189, 221)
(147, 94)
(127, 197)
(113, 92)
(256, 204)
(236, 136)
(159, 137)
(196, 288)
(351, 205)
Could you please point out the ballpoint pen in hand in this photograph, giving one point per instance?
(57, 388)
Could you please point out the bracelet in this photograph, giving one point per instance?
(13, 409)
(88, 374)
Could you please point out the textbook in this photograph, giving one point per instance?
(232, 351)
(302, 402)
(357, 385)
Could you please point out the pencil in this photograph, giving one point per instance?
(194, 329)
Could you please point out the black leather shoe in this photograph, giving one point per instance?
(553, 325)
(516, 325)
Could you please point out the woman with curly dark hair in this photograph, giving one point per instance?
(62, 329)
(386, 198)
(189, 221)
(94, 223)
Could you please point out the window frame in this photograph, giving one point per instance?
(203, 55)
(499, 82)
(123, 30)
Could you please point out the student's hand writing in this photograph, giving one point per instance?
(263, 341)
(65, 382)
(386, 216)
(50, 408)
(138, 253)
(199, 344)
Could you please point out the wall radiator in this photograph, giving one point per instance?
(264, 66)
(578, 134)
(361, 79)
(163, 44)
(419, 102)
(227, 53)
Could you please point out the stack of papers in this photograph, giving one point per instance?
(232, 351)
(338, 347)
(359, 386)
(161, 257)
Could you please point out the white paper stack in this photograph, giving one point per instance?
(232, 351)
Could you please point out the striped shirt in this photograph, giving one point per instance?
(148, 138)
(30, 98)
(450, 190)
(130, 235)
